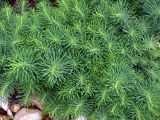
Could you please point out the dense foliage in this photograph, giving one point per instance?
(93, 58)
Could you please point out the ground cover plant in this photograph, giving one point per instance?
(94, 58)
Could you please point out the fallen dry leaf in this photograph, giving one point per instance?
(3, 117)
(15, 107)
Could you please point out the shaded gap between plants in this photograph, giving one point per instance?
(32, 3)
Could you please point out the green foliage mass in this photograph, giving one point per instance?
(93, 58)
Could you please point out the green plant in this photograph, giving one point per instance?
(93, 58)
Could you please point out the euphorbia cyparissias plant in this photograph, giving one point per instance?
(94, 58)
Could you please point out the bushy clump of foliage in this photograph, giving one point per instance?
(93, 58)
